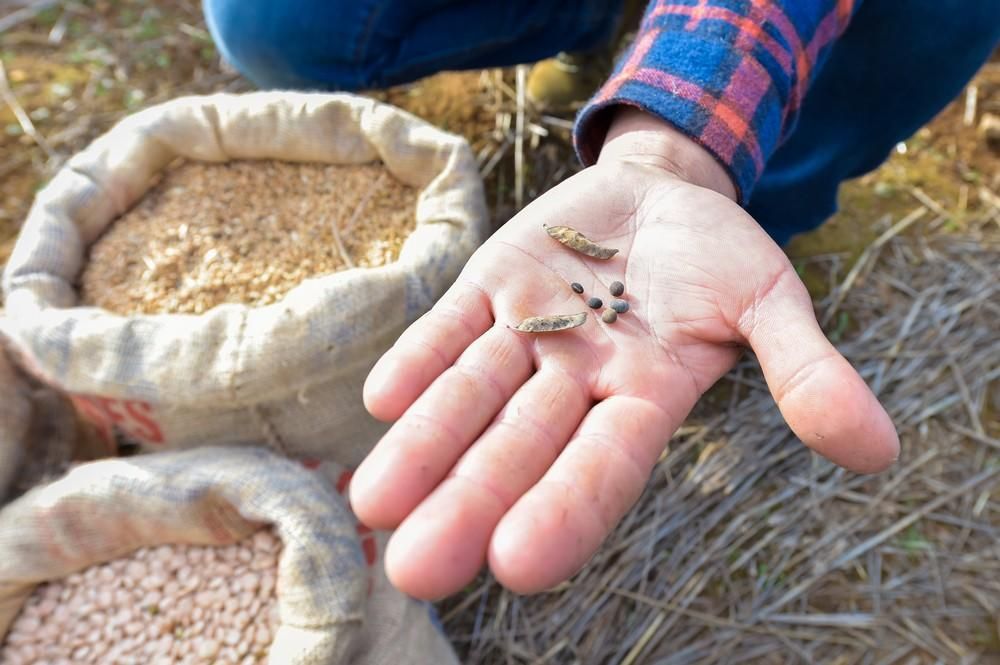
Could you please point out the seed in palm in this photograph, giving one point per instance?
(616, 289)
(609, 316)
(619, 306)
(577, 287)
(595, 303)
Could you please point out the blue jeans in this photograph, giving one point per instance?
(357, 44)
(896, 66)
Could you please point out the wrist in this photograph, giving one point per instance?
(642, 138)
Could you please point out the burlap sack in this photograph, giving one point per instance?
(335, 604)
(289, 373)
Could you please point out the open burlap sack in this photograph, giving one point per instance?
(336, 606)
(289, 373)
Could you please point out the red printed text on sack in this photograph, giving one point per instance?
(134, 419)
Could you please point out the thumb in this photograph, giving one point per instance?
(822, 398)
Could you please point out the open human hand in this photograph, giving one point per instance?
(523, 451)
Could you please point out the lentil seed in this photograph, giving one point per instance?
(620, 306)
(616, 289)
(577, 287)
(609, 316)
(595, 302)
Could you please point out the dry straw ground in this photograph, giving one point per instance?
(745, 547)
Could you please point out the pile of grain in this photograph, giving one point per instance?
(168, 604)
(245, 232)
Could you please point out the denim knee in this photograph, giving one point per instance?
(341, 45)
(302, 44)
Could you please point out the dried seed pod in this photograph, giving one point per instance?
(579, 242)
(609, 316)
(577, 287)
(616, 289)
(544, 324)
(595, 303)
(619, 306)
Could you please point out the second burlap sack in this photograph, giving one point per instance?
(335, 603)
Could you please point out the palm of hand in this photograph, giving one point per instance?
(525, 450)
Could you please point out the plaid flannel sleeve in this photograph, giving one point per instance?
(731, 74)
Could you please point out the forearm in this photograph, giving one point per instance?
(731, 82)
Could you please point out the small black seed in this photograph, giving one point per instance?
(595, 303)
(616, 288)
(609, 316)
(619, 306)
(577, 287)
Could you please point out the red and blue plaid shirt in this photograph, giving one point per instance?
(731, 74)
